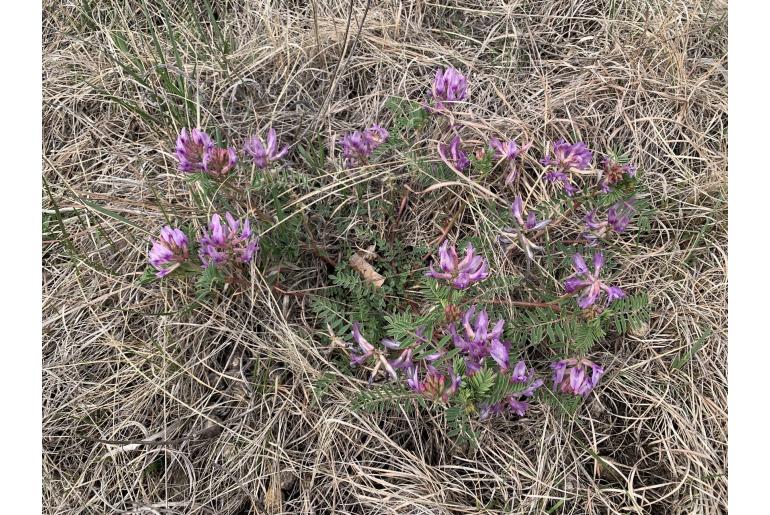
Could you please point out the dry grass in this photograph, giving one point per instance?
(226, 389)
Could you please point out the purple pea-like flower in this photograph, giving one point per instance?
(523, 375)
(518, 406)
(229, 242)
(565, 160)
(589, 283)
(522, 228)
(618, 218)
(619, 214)
(460, 274)
(404, 360)
(367, 349)
(453, 155)
(613, 172)
(355, 148)
(169, 251)
(358, 146)
(519, 373)
(476, 342)
(576, 377)
(531, 223)
(508, 151)
(449, 86)
(265, 153)
(217, 162)
(191, 147)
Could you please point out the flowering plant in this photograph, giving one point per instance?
(454, 347)
(439, 333)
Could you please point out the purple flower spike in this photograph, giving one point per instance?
(508, 151)
(576, 377)
(168, 252)
(453, 155)
(217, 162)
(358, 146)
(450, 86)
(404, 361)
(589, 283)
(267, 153)
(231, 242)
(613, 173)
(190, 149)
(460, 274)
(367, 349)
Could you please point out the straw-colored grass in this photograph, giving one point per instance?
(225, 391)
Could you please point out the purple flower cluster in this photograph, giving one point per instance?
(460, 274)
(476, 341)
(618, 217)
(566, 159)
(508, 151)
(588, 283)
(264, 153)
(576, 377)
(449, 86)
(453, 155)
(220, 244)
(168, 252)
(358, 146)
(232, 242)
(613, 172)
(197, 153)
(191, 147)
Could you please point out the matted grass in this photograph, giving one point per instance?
(228, 390)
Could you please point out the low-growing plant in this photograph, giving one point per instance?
(440, 350)
(430, 332)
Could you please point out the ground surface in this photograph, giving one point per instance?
(230, 384)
